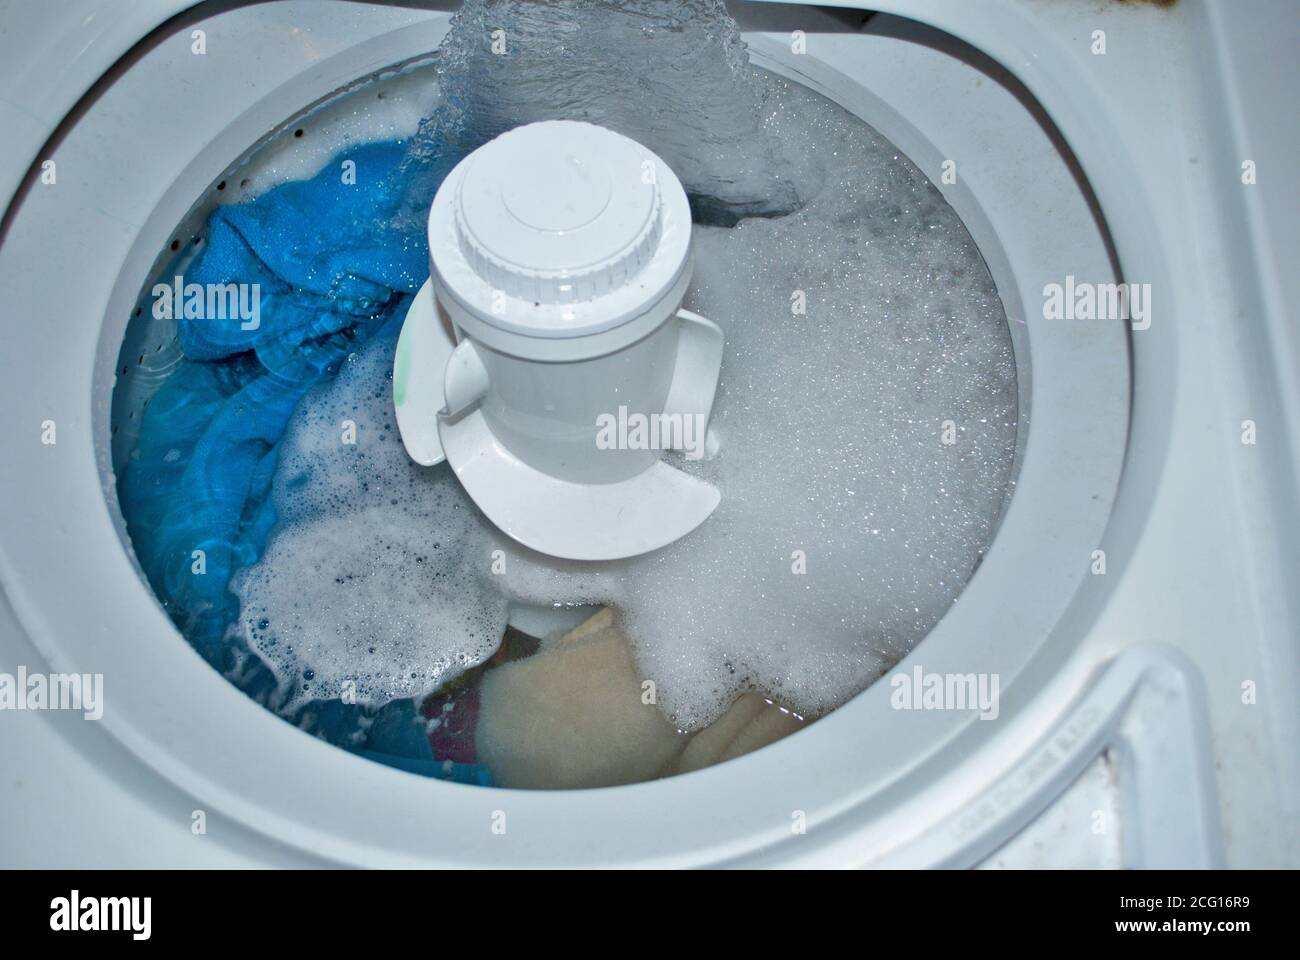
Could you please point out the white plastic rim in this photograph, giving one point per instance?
(869, 780)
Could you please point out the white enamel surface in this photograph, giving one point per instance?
(269, 780)
(934, 788)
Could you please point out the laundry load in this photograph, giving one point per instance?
(866, 419)
(331, 269)
(335, 258)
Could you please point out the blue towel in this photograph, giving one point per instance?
(335, 262)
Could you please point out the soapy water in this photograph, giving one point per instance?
(379, 575)
(674, 76)
(846, 528)
(860, 320)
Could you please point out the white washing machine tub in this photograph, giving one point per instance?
(876, 785)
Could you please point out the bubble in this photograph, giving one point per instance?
(831, 420)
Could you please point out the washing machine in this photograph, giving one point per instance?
(1138, 602)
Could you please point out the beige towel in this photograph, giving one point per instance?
(572, 716)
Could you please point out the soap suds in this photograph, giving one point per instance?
(371, 585)
(672, 74)
(832, 423)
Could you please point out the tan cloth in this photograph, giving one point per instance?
(573, 715)
(749, 723)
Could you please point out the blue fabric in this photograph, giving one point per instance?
(334, 261)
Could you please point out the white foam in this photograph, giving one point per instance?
(831, 425)
(672, 74)
(374, 584)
